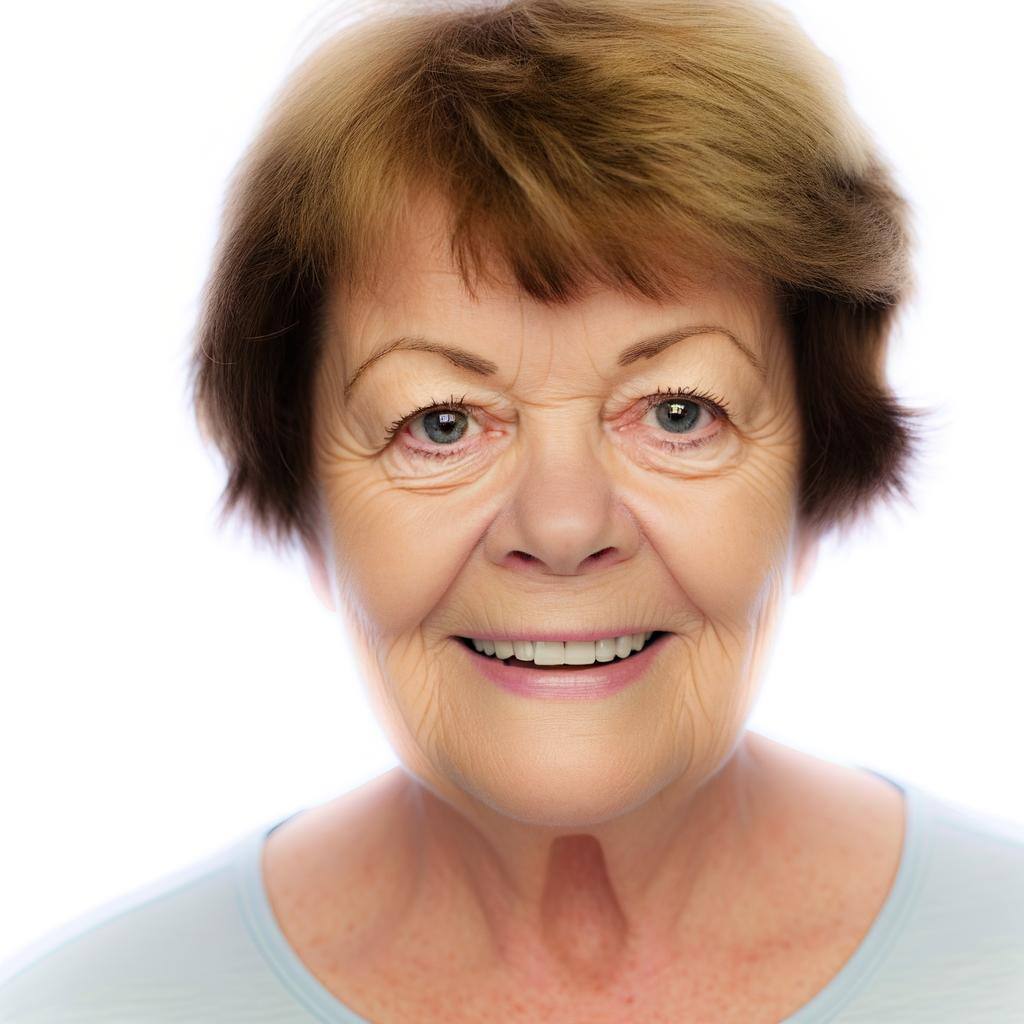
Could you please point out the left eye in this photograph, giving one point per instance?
(443, 422)
(677, 415)
(444, 426)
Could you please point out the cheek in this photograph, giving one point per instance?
(727, 547)
(398, 552)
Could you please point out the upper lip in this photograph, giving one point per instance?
(550, 636)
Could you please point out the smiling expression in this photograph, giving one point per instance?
(497, 468)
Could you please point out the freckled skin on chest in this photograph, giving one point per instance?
(342, 904)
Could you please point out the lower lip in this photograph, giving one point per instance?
(585, 683)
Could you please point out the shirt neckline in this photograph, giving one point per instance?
(858, 970)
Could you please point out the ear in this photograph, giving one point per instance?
(316, 568)
(805, 558)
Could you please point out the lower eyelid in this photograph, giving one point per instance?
(684, 445)
(456, 450)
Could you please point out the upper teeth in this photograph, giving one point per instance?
(569, 652)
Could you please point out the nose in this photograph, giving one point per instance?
(564, 515)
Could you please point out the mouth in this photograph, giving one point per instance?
(574, 682)
(571, 657)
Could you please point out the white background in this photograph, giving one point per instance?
(166, 688)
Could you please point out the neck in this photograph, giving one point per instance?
(580, 908)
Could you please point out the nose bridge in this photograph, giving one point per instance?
(562, 468)
(563, 506)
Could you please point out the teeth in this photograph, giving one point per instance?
(571, 652)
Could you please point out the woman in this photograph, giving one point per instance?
(554, 331)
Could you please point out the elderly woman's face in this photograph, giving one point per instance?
(558, 499)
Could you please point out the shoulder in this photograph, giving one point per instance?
(972, 872)
(347, 868)
(947, 943)
(955, 932)
(176, 949)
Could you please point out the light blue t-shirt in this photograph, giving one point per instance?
(202, 946)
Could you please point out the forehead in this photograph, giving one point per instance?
(419, 289)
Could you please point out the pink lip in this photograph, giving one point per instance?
(590, 682)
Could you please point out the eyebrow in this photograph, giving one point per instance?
(643, 349)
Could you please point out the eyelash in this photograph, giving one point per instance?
(712, 402)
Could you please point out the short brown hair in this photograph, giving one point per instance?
(582, 141)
